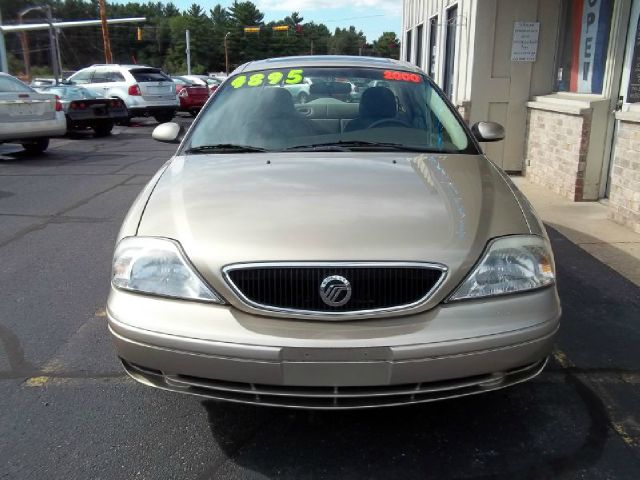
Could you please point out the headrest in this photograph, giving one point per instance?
(378, 102)
(275, 101)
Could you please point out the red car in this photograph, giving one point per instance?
(192, 97)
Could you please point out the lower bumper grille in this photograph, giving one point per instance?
(332, 398)
(334, 288)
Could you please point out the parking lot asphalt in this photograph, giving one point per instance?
(67, 411)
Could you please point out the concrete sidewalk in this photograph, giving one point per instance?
(586, 224)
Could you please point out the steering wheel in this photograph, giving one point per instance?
(395, 121)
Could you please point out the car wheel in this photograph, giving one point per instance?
(37, 146)
(102, 128)
(164, 117)
(303, 97)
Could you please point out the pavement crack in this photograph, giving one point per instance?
(52, 219)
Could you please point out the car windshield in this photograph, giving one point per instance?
(322, 108)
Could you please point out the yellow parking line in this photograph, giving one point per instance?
(624, 435)
(562, 358)
(36, 381)
(51, 366)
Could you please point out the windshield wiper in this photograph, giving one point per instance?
(224, 148)
(362, 144)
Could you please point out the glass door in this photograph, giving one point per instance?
(629, 96)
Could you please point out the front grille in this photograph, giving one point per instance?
(297, 287)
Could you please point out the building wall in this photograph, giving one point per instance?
(624, 197)
(556, 150)
(417, 12)
(493, 87)
(561, 140)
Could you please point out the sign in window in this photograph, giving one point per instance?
(585, 29)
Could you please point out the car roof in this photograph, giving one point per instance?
(115, 65)
(327, 61)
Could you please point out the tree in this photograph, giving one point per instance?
(388, 45)
(293, 19)
(170, 10)
(346, 41)
(195, 11)
(163, 43)
(220, 17)
(245, 14)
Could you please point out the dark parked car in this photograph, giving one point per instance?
(84, 109)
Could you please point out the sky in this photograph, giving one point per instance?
(371, 16)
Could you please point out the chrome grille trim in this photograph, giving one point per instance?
(334, 398)
(226, 270)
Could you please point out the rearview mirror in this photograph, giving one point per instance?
(169, 132)
(488, 131)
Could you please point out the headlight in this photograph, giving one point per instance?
(509, 264)
(157, 266)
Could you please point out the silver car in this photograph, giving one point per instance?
(27, 116)
(332, 254)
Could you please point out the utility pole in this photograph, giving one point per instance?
(311, 52)
(188, 52)
(53, 42)
(4, 67)
(226, 54)
(53, 45)
(26, 57)
(108, 58)
(58, 54)
(55, 25)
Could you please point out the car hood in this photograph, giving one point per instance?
(335, 206)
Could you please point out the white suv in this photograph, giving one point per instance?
(146, 91)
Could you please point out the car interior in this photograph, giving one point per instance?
(334, 110)
(330, 110)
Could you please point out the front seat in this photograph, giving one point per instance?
(377, 103)
(276, 117)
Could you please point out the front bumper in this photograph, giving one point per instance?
(221, 352)
(192, 103)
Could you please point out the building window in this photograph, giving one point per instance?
(419, 35)
(450, 50)
(408, 45)
(584, 40)
(433, 46)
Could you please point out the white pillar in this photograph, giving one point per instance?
(4, 64)
(188, 53)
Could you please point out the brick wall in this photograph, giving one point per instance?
(556, 151)
(624, 193)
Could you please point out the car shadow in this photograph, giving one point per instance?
(542, 429)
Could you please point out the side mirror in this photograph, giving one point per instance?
(488, 131)
(169, 132)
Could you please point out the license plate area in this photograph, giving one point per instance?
(23, 109)
(336, 374)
